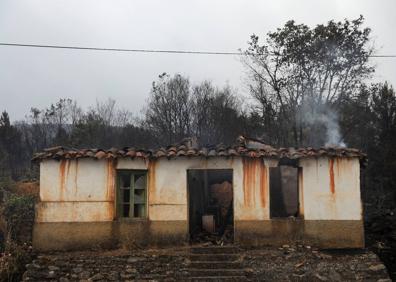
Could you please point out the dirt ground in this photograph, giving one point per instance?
(289, 263)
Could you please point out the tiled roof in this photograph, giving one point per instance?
(244, 147)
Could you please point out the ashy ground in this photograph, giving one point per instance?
(209, 263)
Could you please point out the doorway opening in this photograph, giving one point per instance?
(210, 206)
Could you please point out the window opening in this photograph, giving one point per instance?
(284, 200)
(131, 193)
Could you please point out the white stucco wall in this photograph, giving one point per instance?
(72, 180)
(83, 190)
(76, 191)
(324, 201)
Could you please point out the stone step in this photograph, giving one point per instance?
(198, 272)
(214, 257)
(215, 265)
(151, 277)
(219, 278)
(214, 250)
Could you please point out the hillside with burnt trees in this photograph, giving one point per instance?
(306, 86)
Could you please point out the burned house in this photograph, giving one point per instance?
(249, 193)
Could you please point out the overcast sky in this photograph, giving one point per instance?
(33, 77)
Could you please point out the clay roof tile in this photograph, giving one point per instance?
(232, 152)
(131, 153)
(100, 155)
(140, 154)
(247, 147)
(203, 152)
(212, 153)
(160, 153)
(191, 152)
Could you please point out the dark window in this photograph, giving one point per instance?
(131, 193)
(284, 191)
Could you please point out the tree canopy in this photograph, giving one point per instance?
(299, 76)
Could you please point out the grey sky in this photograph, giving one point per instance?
(38, 77)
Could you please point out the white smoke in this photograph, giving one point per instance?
(323, 125)
(333, 130)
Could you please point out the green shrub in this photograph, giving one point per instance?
(18, 212)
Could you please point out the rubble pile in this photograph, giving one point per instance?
(304, 263)
(208, 238)
(106, 266)
(288, 263)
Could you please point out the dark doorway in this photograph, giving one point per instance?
(284, 191)
(210, 205)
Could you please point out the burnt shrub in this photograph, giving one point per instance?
(17, 213)
(13, 260)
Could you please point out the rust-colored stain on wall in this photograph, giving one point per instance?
(110, 179)
(68, 167)
(75, 176)
(62, 172)
(249, 181)
(99, 216)
(151, 179)
(110, 189)
(250, 169)
(331, 172)
(263, 183)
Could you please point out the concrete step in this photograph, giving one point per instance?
(215, 265)
(219, 278)
(215, 250)
(198, 272)
(214, 257)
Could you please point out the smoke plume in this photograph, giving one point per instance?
(321, 124)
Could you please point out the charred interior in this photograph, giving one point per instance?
(284, 198)
(211, 211)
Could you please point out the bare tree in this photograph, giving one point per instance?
(106, 111)
(169, 109)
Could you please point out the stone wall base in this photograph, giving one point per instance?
(318, 233)
(112, 234)
(64, 236)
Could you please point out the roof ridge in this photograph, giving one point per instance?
(242, 148)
